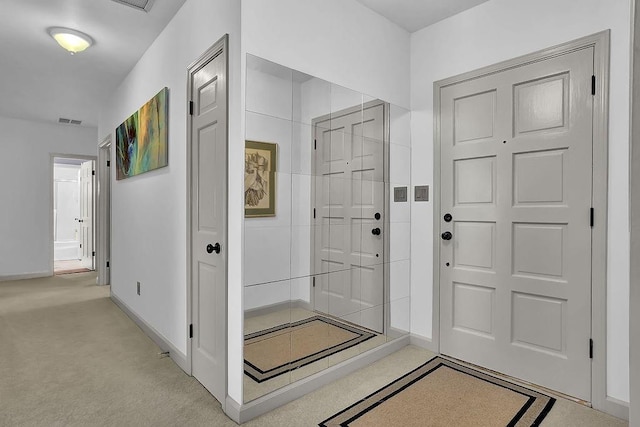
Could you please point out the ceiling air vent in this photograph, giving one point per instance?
(69, 121)
(142, 5)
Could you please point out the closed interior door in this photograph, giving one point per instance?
(86, 214)
(349, 215)
(208, 223)
(516, 174)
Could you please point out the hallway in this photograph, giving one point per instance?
(71, 357)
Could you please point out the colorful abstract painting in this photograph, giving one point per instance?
(142, 139)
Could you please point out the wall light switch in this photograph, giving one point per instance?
(421, 193)
(399, 194)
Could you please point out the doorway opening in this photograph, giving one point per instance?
(73, 214)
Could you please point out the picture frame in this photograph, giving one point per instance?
(142, 140)
(260, 167)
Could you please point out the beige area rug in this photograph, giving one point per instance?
(443, 393)
(283, 348)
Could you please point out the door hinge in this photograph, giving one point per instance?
(107, 264)
(593, 85)
(590, 348)
(80, 245)
(108, 163)
(315, 144)
(191, 108)
(592, 214)
(191, 330)
(93, 253)
(93, 172)
(314, 282)
(314, 213)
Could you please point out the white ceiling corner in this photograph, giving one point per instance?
(413, 15)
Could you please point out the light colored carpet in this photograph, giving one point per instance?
(70, 357)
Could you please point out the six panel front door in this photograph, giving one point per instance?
(516, 174)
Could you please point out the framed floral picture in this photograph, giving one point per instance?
(260, 163)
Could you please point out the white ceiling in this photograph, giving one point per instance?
(41, 81)
(413, 15)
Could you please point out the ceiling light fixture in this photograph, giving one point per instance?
(71, 40)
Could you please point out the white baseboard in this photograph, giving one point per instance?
(161, 341)
(232, 409)
(26, 276)
(424, 342)
(615, 407)
(246, 412)
(279, 306)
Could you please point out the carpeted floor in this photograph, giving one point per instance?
(70, 357)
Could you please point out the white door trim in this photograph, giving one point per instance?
(600, 43)
(209, 54)
(634, 203)
(52, 157)
(103, 246)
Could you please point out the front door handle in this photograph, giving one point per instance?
(212, 248)
(375, 231)
(447, 235)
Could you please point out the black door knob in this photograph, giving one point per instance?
(377, 215)
(447, 235)
(447, 217)
(375, 231)
(212, 248)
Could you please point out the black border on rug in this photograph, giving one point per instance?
(362, 336)
(462, 369)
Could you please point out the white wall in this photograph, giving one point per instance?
(340, 41)
(499, 30)
(26, 190)
(149, 211)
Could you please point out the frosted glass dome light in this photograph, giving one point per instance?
(71, 40)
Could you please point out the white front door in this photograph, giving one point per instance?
(208, 223)
(86, 214)
(349, 204)
(516, 174)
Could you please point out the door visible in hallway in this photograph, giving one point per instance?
(516, 191)
(86, 219)
(208, 92)
(349, 204)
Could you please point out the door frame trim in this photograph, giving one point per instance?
(103, 232)
(386, 130)
(222, 45)
(600, 43)
(52, 157)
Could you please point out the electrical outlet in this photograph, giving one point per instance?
(138, 288)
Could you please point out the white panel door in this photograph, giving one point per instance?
(349, 203)
(208, 224)
(86, 214)
(516, 174)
